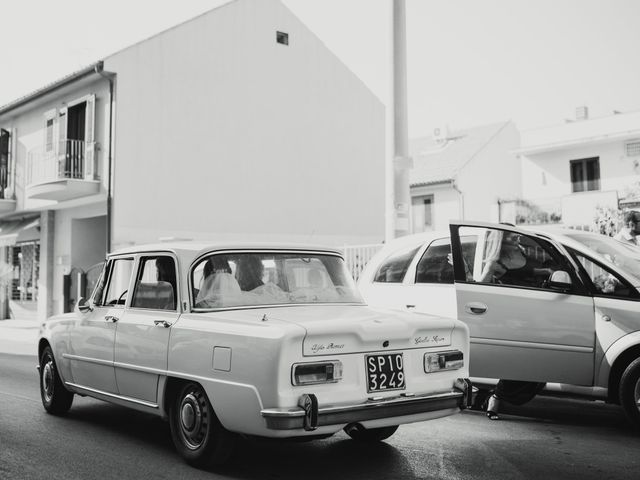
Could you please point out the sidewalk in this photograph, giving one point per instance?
(19, 337)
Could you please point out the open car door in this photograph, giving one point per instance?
(529, 315)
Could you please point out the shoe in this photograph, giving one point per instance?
(493, 404)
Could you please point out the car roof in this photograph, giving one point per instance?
(416, 238)
(197, 248)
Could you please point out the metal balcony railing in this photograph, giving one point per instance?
(72, 159)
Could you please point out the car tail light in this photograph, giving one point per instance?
(437, 362)
(316, 372)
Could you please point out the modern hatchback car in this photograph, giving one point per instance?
(560, 307)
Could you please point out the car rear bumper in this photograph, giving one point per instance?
(309, 415)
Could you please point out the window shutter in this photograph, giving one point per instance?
(61, 126)
(13, 147)
(50, 135)
(89, 137)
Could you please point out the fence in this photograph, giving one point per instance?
(357, 256)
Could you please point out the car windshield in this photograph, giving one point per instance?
(225, 280)
(625, 256)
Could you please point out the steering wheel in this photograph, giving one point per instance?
(121, 301)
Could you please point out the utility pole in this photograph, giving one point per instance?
(402, 162)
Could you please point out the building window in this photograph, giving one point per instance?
(585, 175)
(282, 37)
(633, 148)
(422, 213)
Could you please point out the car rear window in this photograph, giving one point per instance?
(395, 266)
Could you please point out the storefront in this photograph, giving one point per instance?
(19, 265)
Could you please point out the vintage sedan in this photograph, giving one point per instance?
(257, 340)
(560, 307)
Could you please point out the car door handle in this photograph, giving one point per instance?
(111, 318)
(411, 306)
(475, 308)
(162, 323)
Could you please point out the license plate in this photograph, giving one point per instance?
(385, 372)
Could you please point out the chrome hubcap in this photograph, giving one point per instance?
(636, 394)
(47, 380)
(193, 419)
(188, 417)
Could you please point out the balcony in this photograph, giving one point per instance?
(64, 173)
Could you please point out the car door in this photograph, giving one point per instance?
(522, 326)
(142, 335)
(91, 340)
(386, 288)
(616, 302)
(429, 281)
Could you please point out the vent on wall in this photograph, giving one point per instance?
(282, 37)
(632, 149)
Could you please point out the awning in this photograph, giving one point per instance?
(19, 231)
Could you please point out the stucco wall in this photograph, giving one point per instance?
(222, 132)
(446, 204)
(492, 174)
(616, 170)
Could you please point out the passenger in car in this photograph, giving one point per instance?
(630, 228)
(250, 271)
(217, 282)
(512, 265)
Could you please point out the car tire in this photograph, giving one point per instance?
(369, 435)
(55, 397)
(197, 434)
(630, 392)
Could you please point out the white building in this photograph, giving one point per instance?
(463, 174)
(575, 168)
(238, 123)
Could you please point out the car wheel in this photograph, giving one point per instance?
(197, 433)
(361, 434)
(55, 397)
(630, 392)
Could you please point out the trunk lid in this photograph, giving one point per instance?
(335, 330)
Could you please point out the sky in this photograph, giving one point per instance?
(469, 62)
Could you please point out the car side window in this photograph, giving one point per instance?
(118, 282)
(605, 282)
(435, 264)
(394, 267)
(155, 286)
(98, 289)
(509, 258)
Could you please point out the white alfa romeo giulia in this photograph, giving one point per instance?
(250, 339)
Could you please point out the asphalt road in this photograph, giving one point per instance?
(548, 438)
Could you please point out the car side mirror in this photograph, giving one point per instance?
(560, 280)
(84, 306)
